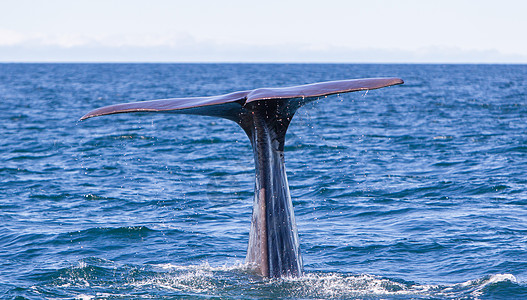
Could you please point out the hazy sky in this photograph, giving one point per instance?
(264, 31)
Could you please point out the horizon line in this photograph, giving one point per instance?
(264, 62)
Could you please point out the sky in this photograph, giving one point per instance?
(322, 31)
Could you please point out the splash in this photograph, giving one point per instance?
(239, 279)
(103, 279)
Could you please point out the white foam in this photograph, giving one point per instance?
(204, 279)
(482, 283)
(339, 285)
(240, 279)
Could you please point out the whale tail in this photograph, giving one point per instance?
(231, 105)
(264, 114)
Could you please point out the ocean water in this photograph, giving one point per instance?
(416, 191)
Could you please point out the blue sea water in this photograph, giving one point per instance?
(416, 191)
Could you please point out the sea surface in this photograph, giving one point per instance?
(416, 191)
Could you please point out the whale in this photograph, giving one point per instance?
(264, 114)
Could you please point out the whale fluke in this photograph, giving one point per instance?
(201, 105)
(264, 114)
